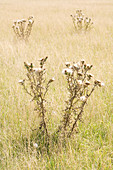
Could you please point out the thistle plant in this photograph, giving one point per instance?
(36, 86)
(81, 84)
(22, 28)
(81, 22)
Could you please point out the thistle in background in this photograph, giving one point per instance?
(22, 28)
(80, 22)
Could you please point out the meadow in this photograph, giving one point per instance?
(53, 35)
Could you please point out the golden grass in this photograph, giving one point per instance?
(53, 35)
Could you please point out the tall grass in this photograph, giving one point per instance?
(53, 35)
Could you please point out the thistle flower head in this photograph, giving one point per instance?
(87, 83)
(99, 83)
(31, 21)
(82, 61)
(42, 60)
(28, 65)
(38, 70)
(102, 84)
(80, 74)
(18, 21)
(51, 80)
(67, 71)
(79, 82)
(67, 64)
(14, 22)
(21, 81)
(87, 66)
(17, 27)
(13, 26)
(89, 75)
(83, 98)
(30, 17)
(76, 67)
(23, 20)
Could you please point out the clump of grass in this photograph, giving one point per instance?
(22, 28)
(81, 23)
(80, 85)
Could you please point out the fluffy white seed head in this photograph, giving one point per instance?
(87, 83)
(83, 98)
(38, 70)
(80, 74)
(102, 84)
(76, 67)
(67, 71)
(51, 80)
(21, 82)
(90, 75)
(79, 82)
(30, 21)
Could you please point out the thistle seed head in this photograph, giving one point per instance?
(38, 70)
(87, 83)
(31, 17)
(80, 74)
(87, 66)
(76, 67)
(18, 21)
(89, 75)
(99, 83)
(67, 64)
(23, 20)
(51, 80)
(67, 71)
(79, 82)
(83, 98)
(21, 81)
(30, 21)
(82, 61)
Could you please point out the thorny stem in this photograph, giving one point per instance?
(43, 123)
(80, 113)
(27, 91)
(76, 120)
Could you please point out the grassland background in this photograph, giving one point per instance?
(53, 35)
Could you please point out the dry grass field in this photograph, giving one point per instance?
(53, 35)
